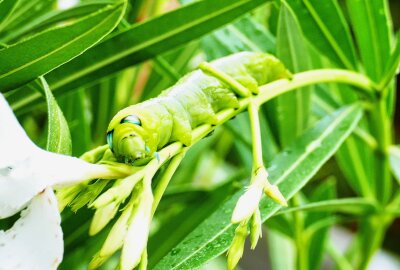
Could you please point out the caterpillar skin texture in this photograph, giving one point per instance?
(138, 131)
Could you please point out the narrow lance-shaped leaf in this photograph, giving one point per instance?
(245, 34)
(58, 135)
(290, 112)
(139, 43)
(392, 67)
(24, 12)
(52, 18)
(395, 161)
(28, 59)
(290, 170)
(145, 40)
(325, 27)
(6, 8)
(373, 30)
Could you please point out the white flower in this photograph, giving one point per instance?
(26, 171)
(35, 241)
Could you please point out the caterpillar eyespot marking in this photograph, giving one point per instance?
(110, 139)
(133, 119)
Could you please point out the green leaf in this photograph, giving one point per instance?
(76, 110)
(244, 35)
(325, 27)
(28, 59)
(393, 65)
(291, 170)
(58, 136)
(372, 29)
(6, 8)
(24, 12)
(394, 152)
(180, 61)
(55, 17)
(142, 42)
(290, 112)
(139, 43)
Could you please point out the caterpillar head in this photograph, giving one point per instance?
(127, 139)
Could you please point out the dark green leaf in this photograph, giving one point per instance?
(290, 170)
(6, 8)
(26, 60)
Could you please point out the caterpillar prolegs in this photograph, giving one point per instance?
(137, 132)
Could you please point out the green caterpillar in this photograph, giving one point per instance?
(137, 132)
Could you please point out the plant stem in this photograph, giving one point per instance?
(276, 88)
(301, 245)
(373, 229)
(255, 136)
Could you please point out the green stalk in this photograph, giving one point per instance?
(373, 229)
(301, 245)
(256, 137)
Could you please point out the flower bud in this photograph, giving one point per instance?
(255, 228)
(235, 251)
(136, 238)
(102, 217)
(247, 204)
(115, 238)
(273, 192)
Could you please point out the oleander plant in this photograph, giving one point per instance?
(166, 134)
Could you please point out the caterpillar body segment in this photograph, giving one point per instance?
(138, 131)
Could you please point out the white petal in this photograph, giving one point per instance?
(15, 145)
(22, 180)
(35, 241)
(26, 170)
